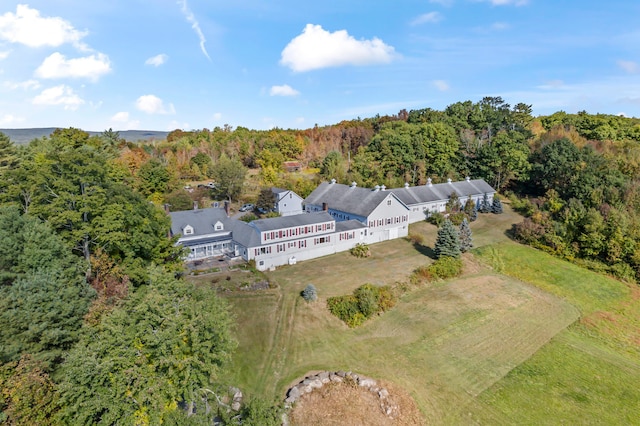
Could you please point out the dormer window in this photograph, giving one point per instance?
(218, 226)
(188, 230)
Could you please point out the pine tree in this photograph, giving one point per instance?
(310, 294)
(448, 242)
(466, 241)
(496, 207)
(8, 156)
(471, 209)
(485, 206)
(474, 214)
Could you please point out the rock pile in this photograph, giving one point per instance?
(316, 381)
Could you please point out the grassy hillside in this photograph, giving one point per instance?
(521, 337)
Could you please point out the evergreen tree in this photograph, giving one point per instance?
(485, 205)
(496, 207)
(158, 351)
(471, 209)
(474, 214)
(310, 294)
(43, 296)
(448, 242)
(466, 241)
(8, 156)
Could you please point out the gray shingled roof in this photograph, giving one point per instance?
(349, 225)
(202, 221)
(245, 234)
(348, 199)
(441, 191)
(273, 223)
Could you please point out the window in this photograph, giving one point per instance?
(389, 202)
(218, 226)
(188, 230)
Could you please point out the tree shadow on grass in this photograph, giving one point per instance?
(425, 250)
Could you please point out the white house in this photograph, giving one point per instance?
(286, 202)
(286, 240)
(205, 232)
(430, 198)
(337, 218)
(382, 212)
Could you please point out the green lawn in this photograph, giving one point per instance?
(525, 339)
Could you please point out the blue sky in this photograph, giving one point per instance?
(192, 64)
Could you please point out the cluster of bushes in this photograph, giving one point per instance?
(361, 250)
(366, 301)
(444, 268)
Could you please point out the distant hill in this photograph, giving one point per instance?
(23, 136)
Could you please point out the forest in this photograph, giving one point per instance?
(98, 325)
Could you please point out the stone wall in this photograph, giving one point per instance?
(317, 381)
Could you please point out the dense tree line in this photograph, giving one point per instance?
(96, 327)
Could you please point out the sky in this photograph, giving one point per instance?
(194, 64)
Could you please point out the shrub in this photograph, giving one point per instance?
(445, 267)
(386, 298)
(416, 239)
(436, 219)
(457, 218)
(310, 294)
(343, 307)
(361, 250)
(357, 319)
(366, 301)
(249, 217)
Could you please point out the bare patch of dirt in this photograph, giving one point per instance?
(348, 404)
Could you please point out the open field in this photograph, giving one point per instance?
(587, 374)
(480, 349)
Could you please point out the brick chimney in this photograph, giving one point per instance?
(226, 208)
(325, 207)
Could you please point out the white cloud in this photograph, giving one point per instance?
(300, 120)
(629, 66)
(441, 85)
(27, 27)
(284, 90)
(217, 116)
(174, 124)
(24, 85)
(152, 104)
(123, 121)
(157, 60)
(317, 48)
(4, 54)
(91, 67)
(194, 24)
(59, 95)
(9, 120)
(431, 17)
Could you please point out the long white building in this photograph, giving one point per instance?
(336, 217)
